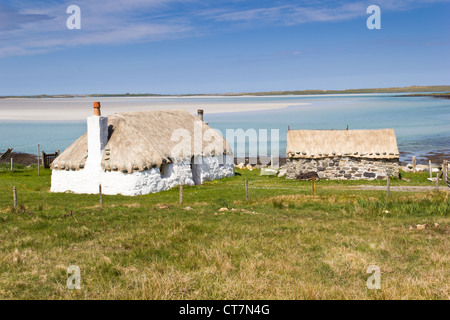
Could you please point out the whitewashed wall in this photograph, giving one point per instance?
(213, 168)
(138, 183)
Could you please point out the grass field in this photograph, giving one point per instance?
(282, 244)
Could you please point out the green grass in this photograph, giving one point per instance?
(283, 244)
(6, 168)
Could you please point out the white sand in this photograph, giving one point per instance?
(63, 109)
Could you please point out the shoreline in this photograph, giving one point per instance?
(428, 95)
(79, 110)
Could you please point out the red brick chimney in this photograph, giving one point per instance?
(97, 107)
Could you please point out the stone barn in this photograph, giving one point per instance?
(137, 153)
(342, 154)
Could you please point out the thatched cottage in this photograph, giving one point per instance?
(342, 154)
(138, 153)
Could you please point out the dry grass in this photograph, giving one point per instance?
(281, 245)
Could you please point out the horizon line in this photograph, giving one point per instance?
(430, 88)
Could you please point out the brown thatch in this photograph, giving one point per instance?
(140, 141)
(375, 144)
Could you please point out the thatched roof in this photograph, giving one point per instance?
(375, 144)
(139, 141)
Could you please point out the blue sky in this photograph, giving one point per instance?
(215, 46)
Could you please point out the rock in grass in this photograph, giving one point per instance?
(421, 167)
(282, 173)
(106, 260)
(268, 171)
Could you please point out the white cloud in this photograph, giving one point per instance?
(292, 13)
(40, 26)
(102, 22)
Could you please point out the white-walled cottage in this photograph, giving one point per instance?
(143, 152)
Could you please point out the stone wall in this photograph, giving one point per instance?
(344, 168)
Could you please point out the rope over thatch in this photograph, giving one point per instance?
(139, 141)
(373, 144)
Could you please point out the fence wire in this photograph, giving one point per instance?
(33, 193)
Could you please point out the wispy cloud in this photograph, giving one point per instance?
(41, 26)
(293, 13)
(37, 26)
(11, 18)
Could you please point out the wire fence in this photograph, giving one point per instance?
(26, 190)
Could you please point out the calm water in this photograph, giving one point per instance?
(422, 125)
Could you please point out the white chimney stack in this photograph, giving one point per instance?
(97, 136)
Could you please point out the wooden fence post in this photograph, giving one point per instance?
(15, 196)
(100, 194)
(39, 162)
(314, 186)
(445, 171)
(414, 164)
(388, 192)
(437, 182)
(181, 194)
(43, 159)
(429, 166)
(246, 189)
(12, 164)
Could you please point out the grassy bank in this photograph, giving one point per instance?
(282, 244)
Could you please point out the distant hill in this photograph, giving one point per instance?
(445, 95)
(270, 93)
(349, 91)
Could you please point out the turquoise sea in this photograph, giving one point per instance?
(422, 124)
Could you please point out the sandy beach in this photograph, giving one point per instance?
(419, 123)
(67, 109)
